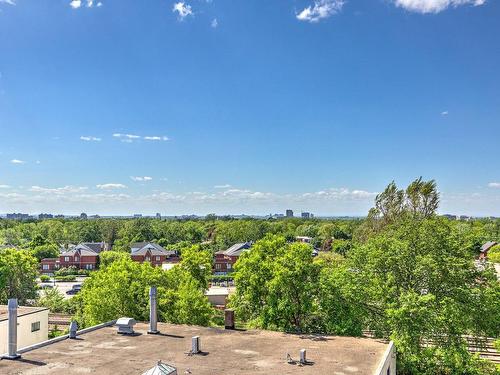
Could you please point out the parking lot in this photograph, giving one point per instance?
(63, 286)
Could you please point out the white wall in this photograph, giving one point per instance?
(24, 335)
(387, 365)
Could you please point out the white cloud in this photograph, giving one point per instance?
(127, 138)
(434, 6)
(111, 186)
(183, 9)
(139, 178)
(320, 10)
(99, 4)
(17, 161)
(494, 185)
(444, 113)
(4, 186)
(10, 2)
(75, 4)
(224, 186)
(214, 23)
(90, 139)
(156, 138)
(59, 191)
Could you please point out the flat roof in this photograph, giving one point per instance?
(21, 311)
(104, 351)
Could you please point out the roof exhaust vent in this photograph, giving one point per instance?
(126, 326)
(195, 345)
(73, 327)
(12, 341)
(303, 359)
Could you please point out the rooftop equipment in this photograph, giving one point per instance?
(229, 319)
(73, 327)
(153, 313)
(12, 340)
(126, 326)
(161, 369)
(303, 359)
(195, 345)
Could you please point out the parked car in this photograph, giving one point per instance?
(74, 290)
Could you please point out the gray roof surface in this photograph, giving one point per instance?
(236, 249)
(488, 245)
(227, 352)
(141, 248)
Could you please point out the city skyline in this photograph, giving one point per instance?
(197, 107)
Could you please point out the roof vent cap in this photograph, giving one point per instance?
(126, 326)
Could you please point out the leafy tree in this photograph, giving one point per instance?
(18, 273)
(494, 254)
(45, 251)
(198, 263)
(108, 257)
(54, 300)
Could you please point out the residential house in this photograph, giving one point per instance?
(485, 248)
(84, 256)
(225, 259)
(152, 253)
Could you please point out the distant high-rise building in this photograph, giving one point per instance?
(289, 213)
(18, 216)
(158, 216)
(136, 216)
(306, 215)
(45, 216)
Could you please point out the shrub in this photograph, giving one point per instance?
(44, 278)
(65, 278)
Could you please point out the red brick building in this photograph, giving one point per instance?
(225, 259)
(152, 253)
(84, 256)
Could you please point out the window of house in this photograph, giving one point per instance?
(35, 326)
(148, 259)
(217, 266)
(89, 266)
(45, 267)
(66, 259)
(157, 258)
(228, 266)
(76, 259)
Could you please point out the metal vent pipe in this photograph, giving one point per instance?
(12, 340)
(153, 311)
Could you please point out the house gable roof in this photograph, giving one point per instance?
(85, 249)
(141, 248)
(236, 249)
(488, 245)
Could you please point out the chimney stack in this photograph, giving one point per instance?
(153, 312)
(12, 341)
(229, 319)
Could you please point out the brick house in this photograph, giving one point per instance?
(225, 259)
(485, 248)
(152, 253)
(84, 256)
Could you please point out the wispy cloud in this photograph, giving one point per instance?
(17, 161)
(90, 139)
(183, 9)
(214, 23)
(224, 186)
(444, 113)
(139, 178)
(320, 10)
(4, 186)
(495, 185)
(111, 186)
(10, 2)
(156, 138)
(69, 189)
(434, 6)
(129, 138)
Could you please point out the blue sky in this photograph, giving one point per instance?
(238, 106)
